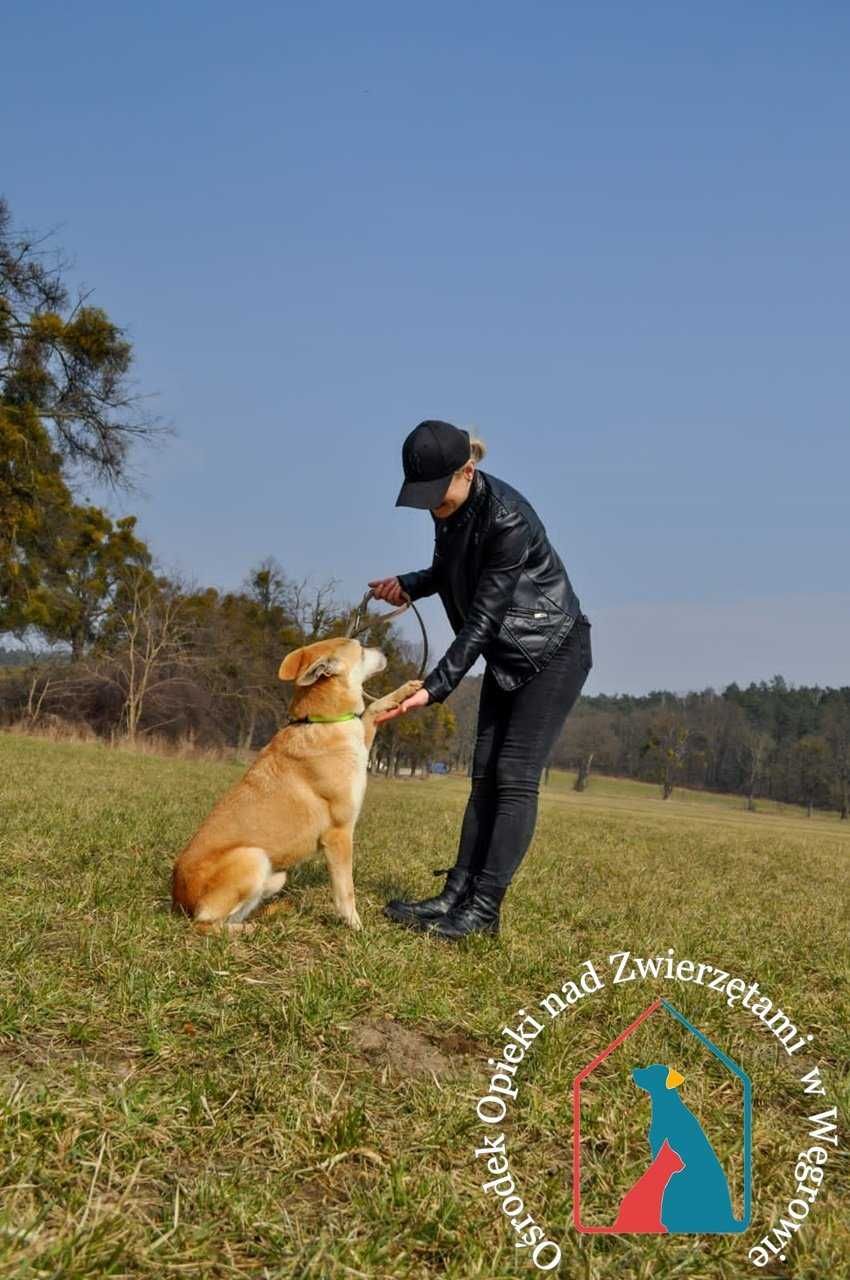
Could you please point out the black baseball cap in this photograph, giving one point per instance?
(430, 455)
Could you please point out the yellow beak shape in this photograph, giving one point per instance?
(674, 1079)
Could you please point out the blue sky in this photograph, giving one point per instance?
(612, 238)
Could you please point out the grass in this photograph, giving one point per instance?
(300, 1102)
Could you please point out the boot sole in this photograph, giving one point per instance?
(410, 920)
(490, 932)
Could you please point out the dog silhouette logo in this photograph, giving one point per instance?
(676, 1177)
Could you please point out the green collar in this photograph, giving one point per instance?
(347, 715)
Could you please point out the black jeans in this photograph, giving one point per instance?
(516, 732)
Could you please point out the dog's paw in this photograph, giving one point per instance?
(407, 691)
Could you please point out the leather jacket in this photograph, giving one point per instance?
(504, 588)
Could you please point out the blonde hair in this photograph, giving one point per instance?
(477, 448)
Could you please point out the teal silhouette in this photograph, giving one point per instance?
(696, 1199)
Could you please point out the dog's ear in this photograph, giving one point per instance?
(291, 664)
(298, 666)
(328, 665)
(674, 1079)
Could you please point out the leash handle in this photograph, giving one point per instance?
(357, 625)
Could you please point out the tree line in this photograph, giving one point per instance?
(766, 741)
(161, 659)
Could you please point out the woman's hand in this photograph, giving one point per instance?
(388, 589)
(420, 698)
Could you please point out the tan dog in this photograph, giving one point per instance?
(302, 793)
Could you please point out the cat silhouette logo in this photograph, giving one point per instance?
(662, 1133)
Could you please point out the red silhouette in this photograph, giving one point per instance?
(640, 1208)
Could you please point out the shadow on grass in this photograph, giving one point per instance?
(390, 886)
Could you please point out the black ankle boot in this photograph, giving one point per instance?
(420, 914)
(477, 913)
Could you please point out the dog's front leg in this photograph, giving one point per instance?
(338, 846)
(387, 703)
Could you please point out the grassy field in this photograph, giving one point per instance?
(300, 1101)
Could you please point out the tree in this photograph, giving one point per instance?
(464, 701)
(666, 744)
(146, 638)
(810, 758)
(34, 501)
(314, 609)
(65, 360)
(836, 731)
(586, 737)
(91, 557)
(415, 740)
(754, 750)
(65, 404)
(237, 646)
(268, 586)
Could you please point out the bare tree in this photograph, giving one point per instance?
(754, 752)
(313, 608)
(148, 624)
(586, 737)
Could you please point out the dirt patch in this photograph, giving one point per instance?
(458, 1045)
(54, 1056)
(314, 1194)
(410, 1053)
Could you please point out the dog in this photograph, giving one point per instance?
(302, 794)
(696, 1199)
(640, 1207)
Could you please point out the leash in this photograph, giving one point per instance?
(360, 622)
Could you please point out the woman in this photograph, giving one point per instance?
(509, 599)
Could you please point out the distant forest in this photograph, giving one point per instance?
(766, 740)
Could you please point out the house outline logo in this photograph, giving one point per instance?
(684, 1189)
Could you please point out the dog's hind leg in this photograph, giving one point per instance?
(236, 887)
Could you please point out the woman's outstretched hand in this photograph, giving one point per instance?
(388, 589)
(420, 698)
